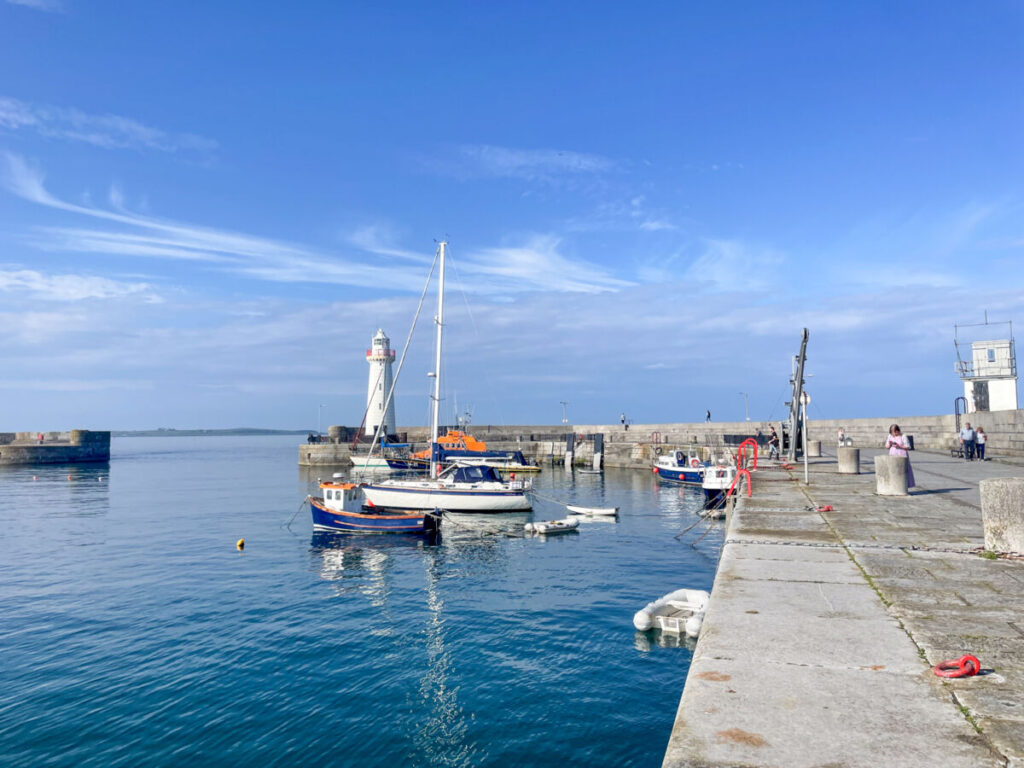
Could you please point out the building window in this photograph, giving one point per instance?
(991, 355)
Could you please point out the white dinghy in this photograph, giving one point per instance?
(593, 511)
(676, 613)
(552, 526)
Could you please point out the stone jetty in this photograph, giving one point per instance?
(78, 445)
(831, 605)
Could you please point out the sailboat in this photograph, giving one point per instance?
(459, 488)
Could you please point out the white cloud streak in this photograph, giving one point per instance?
(534, 265)
(71, 287)
(105, 131)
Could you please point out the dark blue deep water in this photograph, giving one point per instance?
(132, 633)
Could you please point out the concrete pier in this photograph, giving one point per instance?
(823, 626)
(77, 445)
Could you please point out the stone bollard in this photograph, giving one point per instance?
(813, 449)
(891, 475)
(1002, 513)
(849, 461)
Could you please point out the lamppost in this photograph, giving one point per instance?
(746, 405)
(318, 412)
(564, 419)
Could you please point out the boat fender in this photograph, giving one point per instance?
(654, 470)
(694, 463)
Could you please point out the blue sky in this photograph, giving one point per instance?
(207, 210)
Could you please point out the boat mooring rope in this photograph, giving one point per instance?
(304, 502)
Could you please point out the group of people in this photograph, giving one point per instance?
(973, 442)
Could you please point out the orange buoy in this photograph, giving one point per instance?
(69, 477)
(240, 544)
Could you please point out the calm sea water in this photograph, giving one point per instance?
(133, 633)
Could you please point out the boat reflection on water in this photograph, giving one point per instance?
(645, 641)
(363, 564)
(443, 733)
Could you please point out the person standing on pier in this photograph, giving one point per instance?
(773, 444)
(622, 420)
(979, 442)
(842, 436)
(898, 445)
(707, 415)
(968, 438)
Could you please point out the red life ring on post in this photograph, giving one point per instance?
(694, 463)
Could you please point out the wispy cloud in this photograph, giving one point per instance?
(106, 131)
(549, 166)
(51, 6)
(730, 265)
(71, 287)
(535, 265)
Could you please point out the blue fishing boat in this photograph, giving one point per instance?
(677, 467)
(340, 509)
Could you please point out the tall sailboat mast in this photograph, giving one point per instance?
(439, 320)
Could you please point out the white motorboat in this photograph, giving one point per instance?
(676, 613)
(460, 489)
(717, 481)
(593, 511)
(548, 527)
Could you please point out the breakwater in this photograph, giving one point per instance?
(830, 606)
(77, 445)
(637, 446)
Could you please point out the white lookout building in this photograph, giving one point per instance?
(989, 375)
(380, 356)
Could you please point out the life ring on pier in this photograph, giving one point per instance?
(694, 463)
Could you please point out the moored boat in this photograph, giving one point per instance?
(676, 613)
(593, 511)
(461, 489)
(547, 527)
(340, 509)
(678, 467)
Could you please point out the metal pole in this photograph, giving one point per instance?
(437, 364)
(318, 412)
(803, 405)
(564, 419)
(746, 405)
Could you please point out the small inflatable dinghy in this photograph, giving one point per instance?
(676, 613)
(552, 526)
(602, 511)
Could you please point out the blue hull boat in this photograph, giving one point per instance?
(678, 468)
(343, 520)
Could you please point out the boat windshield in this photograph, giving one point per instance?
(476, 474)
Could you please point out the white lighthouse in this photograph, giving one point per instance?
(380, 356)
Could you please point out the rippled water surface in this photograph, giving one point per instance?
(133, 632)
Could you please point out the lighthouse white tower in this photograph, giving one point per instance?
(380, 356)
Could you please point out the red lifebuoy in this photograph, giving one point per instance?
(694, 463)
(965, 666)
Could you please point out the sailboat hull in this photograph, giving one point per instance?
(432, 495)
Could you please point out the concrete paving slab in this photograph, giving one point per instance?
(817, 571)
(757, 713)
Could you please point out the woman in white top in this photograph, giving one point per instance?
(980, 437)
(898, 445)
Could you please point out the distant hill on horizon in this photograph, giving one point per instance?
(170, 432)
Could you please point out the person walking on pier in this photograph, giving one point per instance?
(898, 445)
(707, 415)
(979, 442)
(968, 439)
(773, 445)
